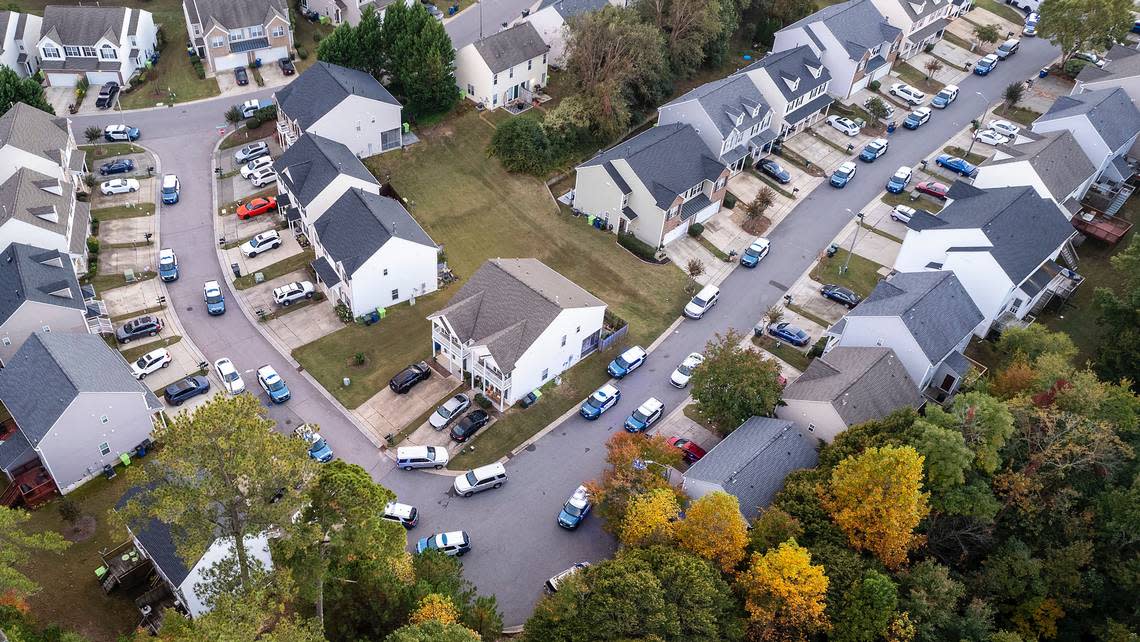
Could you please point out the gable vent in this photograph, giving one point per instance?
(50, 186)
(815, 71)
(917, 7)
(58, 289)
(792, 83)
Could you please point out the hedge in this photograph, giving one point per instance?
(638, 247)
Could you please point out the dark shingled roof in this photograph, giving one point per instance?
(1110, 111)
(726, 99)
(863, 384)
(856, 24)
(790, 66)
(323, 86)
(311, 163)
(510, 47)
(1055, 156)
(71, 25)
(359, 223)
(158, 540)
(570, 8)
(235, 14)
(34, 131)
(34, 274)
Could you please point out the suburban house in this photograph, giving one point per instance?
(794, 83)
(925, 318)
(515, 325)
(922, 21)
(371, 253)
(653, 185)
(76, 408)
(1122, 70)
(228, 33)
(19, 34)
(752, 462)
(1052, 164)
(38, 293)
(338, 11)
(341, 104)
(846, 387)
(1105, 123)
(852, 38)
(549, 18)
(729, 115)
(101, 44)
(312, 174)
(1002, 244)
(503, 68)
(39, 170)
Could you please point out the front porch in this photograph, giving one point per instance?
(470, 367)
(520, 98)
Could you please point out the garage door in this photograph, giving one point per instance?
(231, 61)
(861, 83)
(707, 213)
(272, 55)
(677, 232)
(63, 80)
(97, 78)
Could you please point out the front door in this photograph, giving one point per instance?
(948, 383)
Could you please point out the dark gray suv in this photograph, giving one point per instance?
(137, 328)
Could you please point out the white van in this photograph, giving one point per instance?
(703, 302)
(480, 479)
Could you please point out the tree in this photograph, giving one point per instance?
(695, 268)
(985, 423)
(774, 527)
(987, 34)
(435, 607)
(932, 67)
(1013, 93)
(876, 498)
(521, 145)
(713, 529)
(868, 610)
(735, 383)
(877, 108)
(784, 593)
(418, 53)
(93, 133)
(215, 477)
(1034, 340)
(1073, 25)
(785, 12)
(688, 26)
(649, 518)
(1120, 315)
(930, 596)
(765, 198)
(433, 631)
(946, 455)
(339, 47)
(14, 89)
(261, 614)
(622, 480)
(774, 313)
(17, 546)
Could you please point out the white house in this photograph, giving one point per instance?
(1052, 164)
(1105, 123)
(1001, 244)
(502, 68)
(794, 83)
(341, 104)
(102, 44)
(19, 33)
(921, 21)
(235, 33)
(514, 326)
(313, 173)
(338, 11)
(38, 293)
(852, 38)
(36, 140)
(550, 18)
(1122, 70)
(653, 185)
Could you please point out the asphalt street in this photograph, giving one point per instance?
(516, 543)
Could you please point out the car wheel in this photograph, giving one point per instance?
(286, 303)
(437, 467)
(132, 190)
(409, 467)
(124, 340)
(152, 333)
(459, 554)
(468, 494)
(142, 376)
(309, 295)
(498, 485)
(167, 363)
(176, 403)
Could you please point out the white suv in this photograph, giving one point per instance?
(263, 177)
(907, 93)
(845, 125)
(409, 457)
(261, 243)
(150, 362)
(295, 291)
(480, 479)
(254, 165)
(703, 302)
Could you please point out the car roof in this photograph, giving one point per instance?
(397, 509)
(761, 242)
(634, 352)
(224, 363)
(211, 285)
(453, 536)
(694, 356)
(708, 290)
(651, 404)
(157, 352)
(165, 252)
(608, 390)
(411, 452)
(490, 469)
(266, 371)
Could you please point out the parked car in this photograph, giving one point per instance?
(840, 294)
(991, 137)
(251, 151)
(702, 302)
(645, 416)
(287, 67)
(295, 291)
(773, 169)
(626, 362)
(956, 165)
(409, 457)
(114, 133)
(178, 392)
(215, 300)
(257, 206)
(147, 326)
(469, 425)
(1004, 127)
(319, 449)
(553, 583)
(785, 331)
(449, 411)
(171, 189)
(1008, 48)
(932, 188)
(119, 186)
(455, 543)
(890, 110)
(121, 166)
(1030, 28)
(251, 168)
(107, 95)
(435, 12)
(689, 449)
(845, 125)
(241, 76)
(907, 93)
(405, 515)
(600, 401)
(684, 372)
(944, 97)
(167, 265)
(843, 174)
(480, 479)
(150, 362)
(261, 243)
(987, 64)
(575, 509)
(903, 213)
(1089, 56)
(262, 177)
(899, 180)
(407, 378)
(874, 150)
(272, 384)
(229, 375)
(917, 118)
(754, 253)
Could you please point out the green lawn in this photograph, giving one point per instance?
(789, 354)
(1017, 114)
(904, 198)
(776, 187)
(104, 282)
(242, 135)
(231, 207)
(916, 78)
(122, 211)
(957, 41)
(1001, 9)
(882, 233)
(130, 354)
(861, 276)
(692, 412)
(283, 310)
(274, 270)
(138, 313)
(973, 158)
(807, 314)
(99, 151)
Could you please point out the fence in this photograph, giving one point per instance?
(617, 335)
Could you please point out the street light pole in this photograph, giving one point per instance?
(981, 119)
(854, 239)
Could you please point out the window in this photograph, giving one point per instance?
(256, 31)
(563, 341)
(89, 52)
(71, 52)
(544, 59)
(7, 340)
(104, 419)
(278, 32)
(104, 449)
(470, 89)
(134, 41)
(529, 64)
(811, 427)
(395, 294)
(217, 41)
(385, 271)
(495, 79)
(511, 72)
(50, 52)
(47, 328)
(107, 52)
(719, 184)
(236, 34)
(545, 374)
(578, 330)
(673, 211)
(495, 99)
(197, 30)
(625, 200)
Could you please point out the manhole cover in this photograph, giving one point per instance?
(189, 308)
(531, 448)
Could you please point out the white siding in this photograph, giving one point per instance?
(818, 416)
(31, 317)
(548, 353)
(16, 231)
(357, 122)
(985, 282)
(193, 588)
(411, 270)
(1087, 137)
(553, 30)
(888, 332)
(333, 191)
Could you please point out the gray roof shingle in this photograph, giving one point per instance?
(311, 163)
(25, 197)
(792, 66)
(1055, 156)
(508, 303)
(1110, 111)
(157, 538)
(323, 86)
(570, 8)
(933, 305)
(863, 384)
(34, 274)
(857, 24)
(510, 47)
(1123, 62)
(234, 14)
(726, 99)
(34, 131)
(753, 460)
(918, 9)
(70, 25)
(359, 223)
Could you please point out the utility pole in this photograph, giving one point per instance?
(981, 122)
(854, 238)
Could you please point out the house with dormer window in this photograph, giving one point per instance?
(236, 33)
(922, 21)
(19, 33)
(38, 290)
(101, 44)
(794, 83)
(729, 115)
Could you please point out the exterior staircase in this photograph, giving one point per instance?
(1117, 201)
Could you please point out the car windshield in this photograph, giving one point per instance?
(231, 376)
(213, 298)
(842, 172)
(168, 190)
(141, 362)
(640, 416)
(699, 301)
(899, 177)
(595, 402)
(622, 363)
(471, 478)
(751, 251)
(572, 510)
(443, 412)
(276, 385)
(166, 261)
(685, 369)
(318, 445)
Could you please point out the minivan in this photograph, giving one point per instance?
(409, 457)
(703, 302)
(1008, 48)
(480, 479)
(170, 189)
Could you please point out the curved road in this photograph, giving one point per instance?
(516, 542)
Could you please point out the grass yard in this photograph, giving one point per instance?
(776, 187)
(957, 41)
(807, 314)
(133, 353)
(916, 78)
(104, 282)
(283, 310)
(242, 135)
(274, 270)
(714, 250)
(784, 352)
(692, 412)
(1019, 115)
(138, 313)
(954, 150)
(882, 233)
(231, 207)
(1001, 9)
(905, 198)
(100, 151)
(861, 276)
(122, 211)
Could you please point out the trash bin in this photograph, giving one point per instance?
(1044, 72)
(236, 268)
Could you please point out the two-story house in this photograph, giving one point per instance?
(101, 44)
(503, 68)
(39, 170)
(235, 33)
(341, 104)
(1002, 244)
(922, 21)
(794, 83)
(514, 326)
(1105, 123)
(77, 407)
(730, 117)
(1122, 69)
(852, 38)
(38, 293)
(312, 174)
(653, 185)
(1052, 163)
(19, 34)
(550, 18)
(925, 317)
(348, 11)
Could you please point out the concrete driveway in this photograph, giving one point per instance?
(236, 188)
(142, 162)
(248, 265)
(386, 413)
(302, 326)
(182, 363)
(145, 194)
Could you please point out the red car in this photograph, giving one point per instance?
(256, 207)
(689, 449)
(932, 188)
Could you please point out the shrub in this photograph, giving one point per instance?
(817, 348)
(1074, 66)
(359, 358)
(266, 114)
(92, 266)
(92, 245)
(69, 511)
(199, 68)
(637, 246)
(730, 200)
(317, 37)
(521, 145)
(233, 115)
(874, 85)
(342, 312)
(482, 401)
(253, 122)
(696, 229)
(928, 48)
(302, 53)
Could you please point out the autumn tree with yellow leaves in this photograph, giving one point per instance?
(714, 529)
(435, 607)
(649, 518)
(784, 594)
